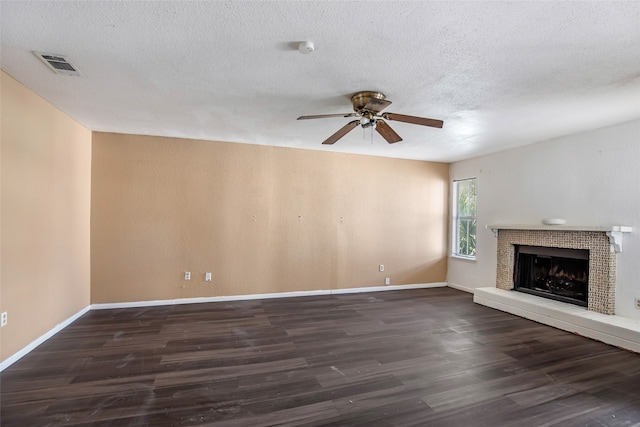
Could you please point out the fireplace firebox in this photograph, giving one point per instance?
(557, 273)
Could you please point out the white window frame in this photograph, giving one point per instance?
(455, 234)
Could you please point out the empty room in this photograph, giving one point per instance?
(320, 213)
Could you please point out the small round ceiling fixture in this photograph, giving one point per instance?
(306, 47)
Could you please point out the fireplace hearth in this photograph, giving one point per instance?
(557, 273)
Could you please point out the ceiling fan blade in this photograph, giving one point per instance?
(376, 105)
(342, 132)
(387, 133)
(324, 116)
(414, 120)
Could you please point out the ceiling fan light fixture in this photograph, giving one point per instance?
(367, 122)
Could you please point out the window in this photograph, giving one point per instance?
(464, 218)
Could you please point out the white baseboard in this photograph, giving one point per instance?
(461, 288)
(615, 330)
(25, 350)
(264, 296)
(388, 288)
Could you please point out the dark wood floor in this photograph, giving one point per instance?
(427, 357)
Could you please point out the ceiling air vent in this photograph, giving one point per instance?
(59, 64)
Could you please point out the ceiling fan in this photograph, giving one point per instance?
(368, 108)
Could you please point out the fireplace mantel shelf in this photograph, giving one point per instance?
(614, 232)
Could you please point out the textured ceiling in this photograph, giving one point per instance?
(500, 74)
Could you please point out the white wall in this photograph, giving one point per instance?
(591, 178)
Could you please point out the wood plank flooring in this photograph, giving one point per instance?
(426, 357)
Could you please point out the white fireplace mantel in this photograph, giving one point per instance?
(614, 232)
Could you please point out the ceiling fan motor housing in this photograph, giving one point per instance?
(360, 99)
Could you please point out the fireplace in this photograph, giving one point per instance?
(600, 244)
(557, 273)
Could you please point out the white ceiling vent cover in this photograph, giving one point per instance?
(59, 64)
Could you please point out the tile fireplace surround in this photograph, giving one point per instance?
(597, 320)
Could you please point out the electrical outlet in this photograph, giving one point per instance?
(3, 319)
(381, 267)
(187, 275)
(638, 303)
(387, 281)
(207, 277)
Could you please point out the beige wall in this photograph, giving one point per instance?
(45, 197)
(261, 219)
